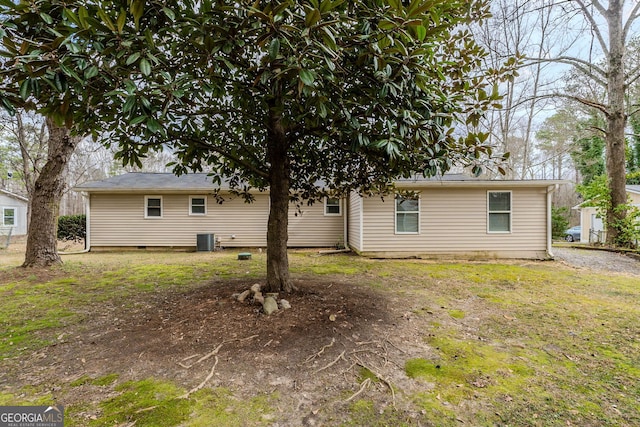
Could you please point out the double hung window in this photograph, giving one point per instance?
(9, 216)
(153, 206)
(407, 214)
(332, 206)
(499, 211)
(197, 205)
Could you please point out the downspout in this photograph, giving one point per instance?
(87, 238)
(550, 190)
(345, 213)
(361, 221)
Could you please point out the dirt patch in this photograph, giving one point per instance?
(310, 355)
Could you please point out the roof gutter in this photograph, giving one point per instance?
(550, 190)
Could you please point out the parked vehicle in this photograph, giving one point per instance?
(572, 234)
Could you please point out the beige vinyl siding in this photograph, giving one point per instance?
(355, 222)
(118, 220)
(310, 227)
(454, 221)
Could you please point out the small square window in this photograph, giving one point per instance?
(332, 206)
(198, 205)
(153, 207)
(9, 216)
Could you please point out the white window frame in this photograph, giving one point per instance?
(146, 207)
(191, 212)
(326, 205)
(510, 212)
(396, 212)
(4, 215)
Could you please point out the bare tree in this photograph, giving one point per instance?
(603, 62)
(517, 28)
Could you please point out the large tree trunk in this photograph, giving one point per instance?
(278, 279)
(47, 192)
(616, 121)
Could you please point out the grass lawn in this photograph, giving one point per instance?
(156, 339)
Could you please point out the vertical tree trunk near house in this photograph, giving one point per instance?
(47, 192)
(278, 279)
(616, 121)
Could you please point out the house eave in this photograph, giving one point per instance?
(479, 183)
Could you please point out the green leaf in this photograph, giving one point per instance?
(46, 18)
(106, 20)
(421, 32)
(8, 106)
(129, 104)
(145, 67)
(312, 18)
(25, 89)
(132, 58)
(395, 4)
(307, 77)
(83, 16)
(153, 126)
(122, 19)
(274, 48)
(137, 120)
(169, 13)
(385, 24)
(137, 10)
(90, 72)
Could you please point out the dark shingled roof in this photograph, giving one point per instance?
(150, 181)
(167, 182)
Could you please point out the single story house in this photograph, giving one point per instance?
(13, 209)
(591, 224)
(450, 216)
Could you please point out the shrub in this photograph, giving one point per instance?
(72, 227)
(559, 221)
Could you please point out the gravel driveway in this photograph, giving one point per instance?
(597, 260)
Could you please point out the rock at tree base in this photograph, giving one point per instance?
(284, 304)
(244, 295)
(270, 305)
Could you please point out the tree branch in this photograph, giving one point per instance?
(593, 104)
(635, 14)
(248, 165)
(592, 21)
(580, 64)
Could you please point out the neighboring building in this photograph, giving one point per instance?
(592, 225)
(441, 217)
(13, 213)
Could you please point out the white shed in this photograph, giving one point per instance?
(592, 224)
(13, 213)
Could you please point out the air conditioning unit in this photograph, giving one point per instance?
(205, 242)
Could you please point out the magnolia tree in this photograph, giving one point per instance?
(303, 98)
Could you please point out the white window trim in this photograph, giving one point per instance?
(191, 213)
(510, 212)
(146, 207)
(15, 217)
(326, 199)
(395, 216)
